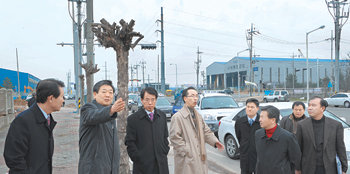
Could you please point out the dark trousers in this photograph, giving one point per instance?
(320, 170)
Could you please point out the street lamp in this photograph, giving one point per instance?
(176, 71)
(307, 61)
(238, 76)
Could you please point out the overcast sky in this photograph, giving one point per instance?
(218, 28)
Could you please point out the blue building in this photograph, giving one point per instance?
(223, 75)
(27, 82)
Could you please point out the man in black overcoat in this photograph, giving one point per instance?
(147, 136)
(29, 144)
(245, 128)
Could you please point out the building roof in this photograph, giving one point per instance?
(291, 59)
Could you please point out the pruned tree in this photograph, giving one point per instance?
(120, 39)
(90, 69)
(82, 101)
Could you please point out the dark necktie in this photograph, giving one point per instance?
(250, 121)
(151, 116)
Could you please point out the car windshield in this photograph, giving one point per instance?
(163, 102)
(287, 112)
(218, 102)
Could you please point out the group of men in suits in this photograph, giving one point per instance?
(299, 144)
(308, 145)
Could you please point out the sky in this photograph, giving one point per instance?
(218, 28)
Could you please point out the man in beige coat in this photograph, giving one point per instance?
(188, 135)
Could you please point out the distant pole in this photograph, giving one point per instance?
(332, 62)
(162, 53)
(89, 48)
(249, 36)
(197, 66)
(340, 11)
(318, 74)
(307, 61)
(19, 85)
(293, 74)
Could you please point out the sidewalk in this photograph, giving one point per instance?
(66, 154)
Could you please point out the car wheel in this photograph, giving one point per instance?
(265, 100)
(347, 104)
(275, 100)
(231, 147)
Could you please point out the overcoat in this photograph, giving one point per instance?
(147, 142)
(277, 154)
(29, 143)
(98, 140)
(290, 124)
(186, 142)
(246, 138)
(333, 145)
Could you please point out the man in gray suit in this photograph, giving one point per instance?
(320, 140)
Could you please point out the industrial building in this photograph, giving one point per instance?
(272, 71)
(9, 78)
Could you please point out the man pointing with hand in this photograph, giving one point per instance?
(98, 138)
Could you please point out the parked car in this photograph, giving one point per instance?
(214, 106)
(165, 106)
(276, 96)
(179, 103)
(340, 99)
(228, 137)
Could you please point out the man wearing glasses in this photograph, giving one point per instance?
(188, 135)
(147, 136)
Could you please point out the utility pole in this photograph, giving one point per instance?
(203, 77)
(338, 7)
(162, 51)
(18, 85)
(143, 66)
(249, 36)
(131, 78)
(197, 66)
(89, 35)
(293, 74)
(68, 82)
(137, 76)
(105, 70)
(158, 74)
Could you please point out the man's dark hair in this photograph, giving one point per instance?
(149, 90)
(252, 100)
(272, 112)
(48, 87)
(323, 102)
(298, 103)
(185, 92)
(98, 85)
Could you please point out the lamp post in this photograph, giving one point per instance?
(176, 71)
(238, 76)
(307, 61)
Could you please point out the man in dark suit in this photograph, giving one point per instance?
(320, 140)
(29, 143)
(277, 149)
(98, 136)
(147, 136)
(245, 128)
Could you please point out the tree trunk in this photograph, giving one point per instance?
(82, 101)
(123, 79)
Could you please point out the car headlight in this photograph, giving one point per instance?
(348, 155)
(209, 117)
